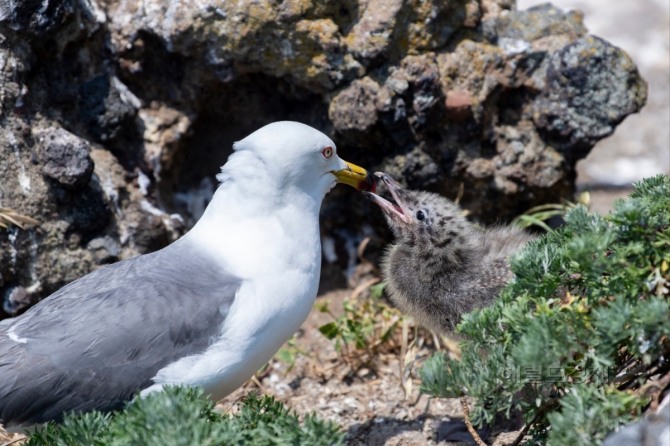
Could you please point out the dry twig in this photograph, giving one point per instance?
(546, 407)
(15, 441)
(468, 423)
(9, 217)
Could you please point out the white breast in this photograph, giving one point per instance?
(278, 257)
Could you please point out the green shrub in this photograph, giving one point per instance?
(184, 416)
(366, 327)
(572, 341)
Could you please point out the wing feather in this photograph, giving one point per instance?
(99, 340)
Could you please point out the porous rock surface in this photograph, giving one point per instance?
(115, 116)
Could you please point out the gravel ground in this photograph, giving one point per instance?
(369, 399)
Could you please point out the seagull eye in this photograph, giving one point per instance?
(420, 215)
(327, 152)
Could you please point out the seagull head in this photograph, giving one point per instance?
(297, 155)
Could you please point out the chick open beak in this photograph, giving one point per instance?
(356, 177)
(396, 209)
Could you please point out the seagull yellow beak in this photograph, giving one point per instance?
(356, 177)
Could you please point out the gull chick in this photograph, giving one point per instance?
(441, 265)
(208, 310)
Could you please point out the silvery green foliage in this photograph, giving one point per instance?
(184, 416)
(580, 330)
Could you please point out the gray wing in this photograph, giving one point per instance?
(97, 341)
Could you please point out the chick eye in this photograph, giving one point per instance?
(420, 215)
(327, 152)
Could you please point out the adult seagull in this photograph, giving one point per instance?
(208, 310)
